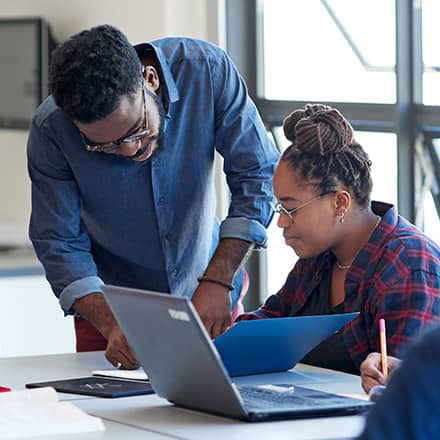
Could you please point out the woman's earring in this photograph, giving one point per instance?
(341, 216)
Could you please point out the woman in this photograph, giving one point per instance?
(355, 255)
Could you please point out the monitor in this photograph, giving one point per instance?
(25, 47)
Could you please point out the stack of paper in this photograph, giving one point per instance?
(138, 374)
(38, 412)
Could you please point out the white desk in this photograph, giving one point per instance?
(153, 417)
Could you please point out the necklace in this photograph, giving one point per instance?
(343, 266)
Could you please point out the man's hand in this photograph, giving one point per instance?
(94, 309)
(212, 301)
(118, 352)
(371, 370)
(213, 305)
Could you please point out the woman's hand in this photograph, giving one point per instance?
(371, 370)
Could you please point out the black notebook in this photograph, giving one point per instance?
(97, 386)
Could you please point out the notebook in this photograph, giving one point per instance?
(270, 345)
(97, 386)
(185, 368)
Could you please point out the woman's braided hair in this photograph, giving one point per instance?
(324, 152)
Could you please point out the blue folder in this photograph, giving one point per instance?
(277, 344)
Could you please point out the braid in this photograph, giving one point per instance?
(325, 153)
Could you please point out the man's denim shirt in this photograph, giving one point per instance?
(103, 218)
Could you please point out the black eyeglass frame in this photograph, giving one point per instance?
(132, 138)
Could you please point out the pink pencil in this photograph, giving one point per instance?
(383, 348)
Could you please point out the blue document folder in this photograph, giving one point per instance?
(277, 344)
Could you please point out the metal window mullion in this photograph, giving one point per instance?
(367, 117)
(241, 39)
(405, 108)
(241, 45)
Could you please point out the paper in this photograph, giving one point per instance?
(38, 412)
(138, 374)
(277, 344)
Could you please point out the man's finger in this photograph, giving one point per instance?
(127, 351)
(128, 362)
(217, 329)
(221, 325)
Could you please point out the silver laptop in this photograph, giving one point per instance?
(185, 368)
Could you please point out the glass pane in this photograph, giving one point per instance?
(313, 54)
(431, 53)
(431, 218)
(280, 259)
(382, 149)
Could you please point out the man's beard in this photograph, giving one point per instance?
(160, 134)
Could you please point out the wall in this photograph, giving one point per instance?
(140, 20)
(14, 188)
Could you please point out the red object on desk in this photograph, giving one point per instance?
(4, 389)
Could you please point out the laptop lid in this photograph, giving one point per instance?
(184, 367)
(174, 349)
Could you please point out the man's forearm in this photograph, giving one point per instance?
(94, 309)
(229, 255)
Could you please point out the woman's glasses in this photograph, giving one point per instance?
(280, 209)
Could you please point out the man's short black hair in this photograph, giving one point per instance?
(91, 71)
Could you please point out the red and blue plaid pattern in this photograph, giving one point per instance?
(396, 276)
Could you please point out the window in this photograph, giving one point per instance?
(326, 50)
(431, 53)
(378, 62)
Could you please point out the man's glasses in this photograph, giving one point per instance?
(132, 138)
(280, 209)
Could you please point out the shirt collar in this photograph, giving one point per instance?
(367, 255)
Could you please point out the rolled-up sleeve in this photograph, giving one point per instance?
(249, 155)
(243, 228)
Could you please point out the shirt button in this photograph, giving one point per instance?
(161, 200)
(168, 236)
(175, 272)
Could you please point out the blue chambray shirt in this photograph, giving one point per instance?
(103, 218)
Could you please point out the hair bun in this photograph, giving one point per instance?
(318, 128)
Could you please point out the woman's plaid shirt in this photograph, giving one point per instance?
(396, 276)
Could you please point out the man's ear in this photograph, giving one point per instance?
(151, 78)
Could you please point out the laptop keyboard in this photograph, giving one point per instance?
(279, 397)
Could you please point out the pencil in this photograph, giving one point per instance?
(383, 348)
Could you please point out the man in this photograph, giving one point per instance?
(410, 406)
(121, 162)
